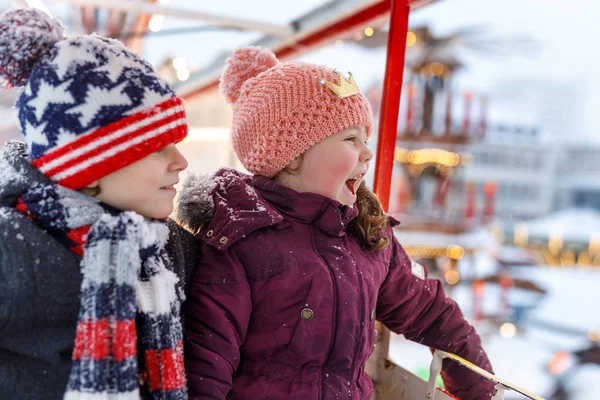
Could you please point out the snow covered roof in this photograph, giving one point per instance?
(479, 239)
(573, 224)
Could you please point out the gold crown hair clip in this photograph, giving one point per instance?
(346, 87)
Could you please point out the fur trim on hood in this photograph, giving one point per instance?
(195, 205)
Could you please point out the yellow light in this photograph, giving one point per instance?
(369, 31)
(179, 63)
(433, 156)
(584, 259)
(508, 330)
(436, 68)
(452, 277)
(183, 74)
(567, 258)
(594, 243)
(555, 242)
(455, 252)
(415, 170)
(594, 334)
(520, 236)
(401, 155)
(411, 39)
(155, 23)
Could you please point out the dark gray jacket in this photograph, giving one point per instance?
(40, 282)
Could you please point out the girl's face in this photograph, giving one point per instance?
(146, 186)
(333, 168)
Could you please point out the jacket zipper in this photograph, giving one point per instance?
(363, 299)
(335, 301)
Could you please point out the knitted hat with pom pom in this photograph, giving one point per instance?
(90, 106)
(282, 110)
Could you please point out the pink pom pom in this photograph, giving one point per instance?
(26, 34)
(244, 63)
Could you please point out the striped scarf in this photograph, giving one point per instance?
(128, 299)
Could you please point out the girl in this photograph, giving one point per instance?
(300, 259)
(89, 300)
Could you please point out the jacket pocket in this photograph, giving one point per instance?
(311, 336)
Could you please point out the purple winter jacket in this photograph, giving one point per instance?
(283, 302)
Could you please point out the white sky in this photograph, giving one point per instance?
(561, 80)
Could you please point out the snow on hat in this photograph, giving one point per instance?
(282, 110)
(90, 106)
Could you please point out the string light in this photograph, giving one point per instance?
(183, 74)
(452, 277)
(155, 23)
(508, 330)
(411, 39)
(179, 63)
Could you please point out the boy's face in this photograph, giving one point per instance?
(145, 186)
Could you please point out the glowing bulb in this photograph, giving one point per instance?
(411, 39)
(178, 63)
(369, 31)
(455, 252)
(155, 23)
(508, 330)
(452, 277)
(183, 74)
(436, 68)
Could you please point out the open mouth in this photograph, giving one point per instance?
(353, 183)
(169, 187)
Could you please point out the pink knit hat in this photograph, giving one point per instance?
(282, 110)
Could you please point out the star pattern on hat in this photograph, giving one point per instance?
(96, 99)
(113, 71)
(47, 94)
(64, 137)
(150, 98)
(64, 58)
(35, 134)
(86, 83)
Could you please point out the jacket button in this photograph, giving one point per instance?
(223, 240)
(307, 314)
(372, 315)
(210, 233)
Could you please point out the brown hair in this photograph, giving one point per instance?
(368, 227)
(91, 191)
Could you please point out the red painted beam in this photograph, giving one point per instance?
(390, 102)
(344, 26)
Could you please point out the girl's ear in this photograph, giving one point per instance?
(295, 164)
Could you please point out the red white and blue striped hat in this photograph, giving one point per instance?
(89, 106)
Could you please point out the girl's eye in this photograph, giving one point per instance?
(351, 138)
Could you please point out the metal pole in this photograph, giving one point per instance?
(390, 103)
(190, 14)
